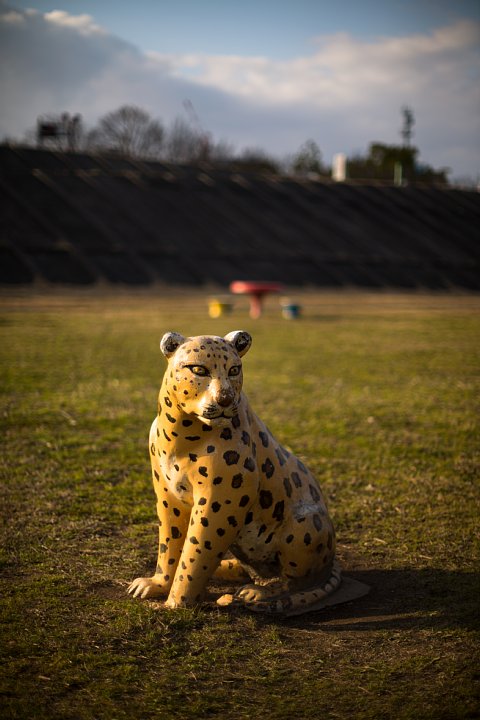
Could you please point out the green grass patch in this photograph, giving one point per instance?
(378, 393)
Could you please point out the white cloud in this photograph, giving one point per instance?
(83, 23)
(343, 72)
(344, 94)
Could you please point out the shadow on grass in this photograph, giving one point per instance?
(403, 599)
(400, 599)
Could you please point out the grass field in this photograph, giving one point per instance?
(378, 393)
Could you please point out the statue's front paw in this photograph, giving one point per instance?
(253, 593)
(145, 587)
(172, 603)
(250, 593)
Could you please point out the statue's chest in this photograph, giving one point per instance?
(204, 458)
(188, 470)
(216, 466)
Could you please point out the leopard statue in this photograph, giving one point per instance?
(224, 484)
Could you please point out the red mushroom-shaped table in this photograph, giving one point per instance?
(256, 290)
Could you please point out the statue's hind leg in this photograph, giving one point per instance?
(231, 570)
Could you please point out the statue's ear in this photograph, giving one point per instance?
(241, 341)
(170, 342)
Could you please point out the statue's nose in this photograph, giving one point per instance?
(225, 398)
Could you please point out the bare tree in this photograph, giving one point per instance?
(308, 159)
(130, 131)
(183, 144)
(188, 142)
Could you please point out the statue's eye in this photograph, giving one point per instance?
(199, 370)
(235, 370)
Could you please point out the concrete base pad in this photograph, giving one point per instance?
(349, 590)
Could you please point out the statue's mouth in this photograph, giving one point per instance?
(214, 414)
(218, 419)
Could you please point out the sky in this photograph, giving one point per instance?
(260, 74)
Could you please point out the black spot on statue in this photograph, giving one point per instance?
(194, 540)
(236, 422)
(314, 493)
(317, 523)
(226, 434)
(266, 499)
(301, 466)
(192, 438)
(279, 510)
(244, 500)
(216, 506)
(249, 464)
(307, 538)
(280, 457)
(288, 486)
(245, 438)
(168, 402)
(232, 521)
(217, 480)
(192, 457)
(231, 456)
(296, 480)
(268, 468)
(187, 423)
(237, 481)
(264, 438)
(203, 471)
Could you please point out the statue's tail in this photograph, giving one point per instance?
(336, 590)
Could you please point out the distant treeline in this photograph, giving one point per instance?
(131, 132)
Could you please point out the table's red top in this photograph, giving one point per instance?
(254, 287)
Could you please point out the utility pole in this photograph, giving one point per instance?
(408, 123)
